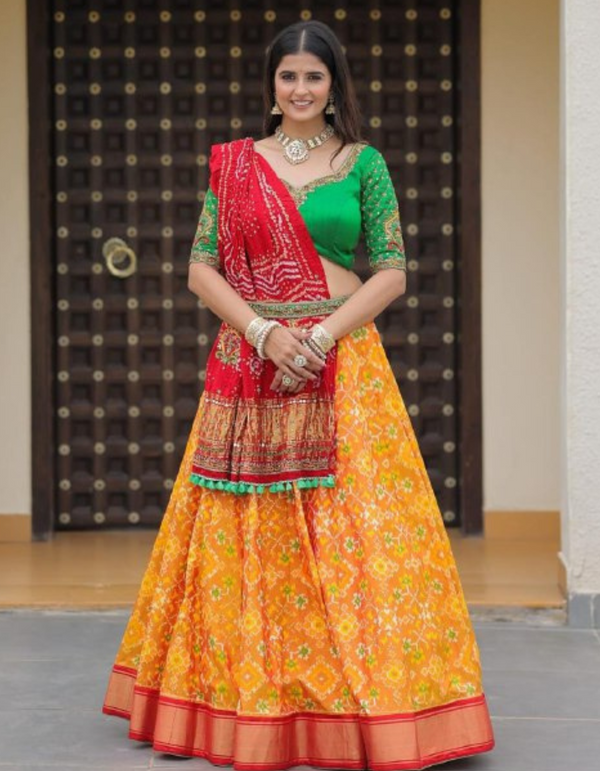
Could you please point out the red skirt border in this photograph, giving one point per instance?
(409, 740)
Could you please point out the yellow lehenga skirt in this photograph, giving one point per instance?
(322, 626)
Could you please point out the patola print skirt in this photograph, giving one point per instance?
(324, 626)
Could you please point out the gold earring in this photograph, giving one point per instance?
(276, 110)
(330, 109)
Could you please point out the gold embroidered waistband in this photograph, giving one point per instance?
(298, 310)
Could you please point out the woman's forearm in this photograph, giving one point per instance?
(218, 295)
(281, 345)
(362, 306)
(367, 302)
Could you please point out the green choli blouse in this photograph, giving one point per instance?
(358, 198)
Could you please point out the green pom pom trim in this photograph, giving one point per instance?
(239, 488)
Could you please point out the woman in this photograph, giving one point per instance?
(301, 604)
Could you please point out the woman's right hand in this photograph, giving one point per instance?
(283, 344)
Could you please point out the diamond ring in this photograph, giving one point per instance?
(287, 380)
(300, 360)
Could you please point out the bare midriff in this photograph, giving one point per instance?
(339, 280)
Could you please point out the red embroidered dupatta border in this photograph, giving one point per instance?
(253, 438)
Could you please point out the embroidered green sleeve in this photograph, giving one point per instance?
(204, 248)
(381, 218)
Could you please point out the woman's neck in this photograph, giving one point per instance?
(303, 129)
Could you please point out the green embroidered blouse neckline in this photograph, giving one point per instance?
(300, 192)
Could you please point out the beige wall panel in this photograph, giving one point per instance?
(520, 191)
(15, 411)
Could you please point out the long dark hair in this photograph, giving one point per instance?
(318, 39)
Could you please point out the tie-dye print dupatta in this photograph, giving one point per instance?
(253, 438)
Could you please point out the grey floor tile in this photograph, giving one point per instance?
(41, 635)
(574, 695)
(531, 649)
(537, 745)
(55, 684)
(78, 766)
(80, 739)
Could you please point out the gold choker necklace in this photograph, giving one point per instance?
(296, 150)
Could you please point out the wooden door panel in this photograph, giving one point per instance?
(140, 91)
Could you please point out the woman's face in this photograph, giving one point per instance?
(302, 86)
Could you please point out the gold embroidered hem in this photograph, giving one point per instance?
(352, 741)
(289, 449)
(200, 255)
(324, 626)
(399, 263)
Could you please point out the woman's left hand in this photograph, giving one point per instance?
(297, 383)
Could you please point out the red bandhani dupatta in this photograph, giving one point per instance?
(253, 438)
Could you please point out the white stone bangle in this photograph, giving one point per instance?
(262, 337)
(253, 330)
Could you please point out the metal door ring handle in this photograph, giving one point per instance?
(117, 254)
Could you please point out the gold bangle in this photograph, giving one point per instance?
(324, 339)
(312, 346)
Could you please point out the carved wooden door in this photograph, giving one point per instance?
(141, 89)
